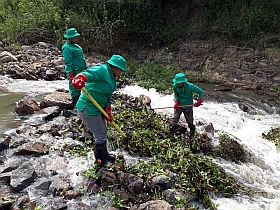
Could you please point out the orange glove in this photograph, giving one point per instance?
(108, 109)
(198, 103)
(79, 81)
(176, 106)
(71, 76)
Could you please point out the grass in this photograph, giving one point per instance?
(149, 75)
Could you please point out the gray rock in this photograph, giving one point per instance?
(7, 57)
(22, 176)
(27, 107)
(154, 205)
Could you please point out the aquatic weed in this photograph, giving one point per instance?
(273, 135)
(148, 136)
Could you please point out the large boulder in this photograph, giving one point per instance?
(62, 100)
(27, 107)
(22, 176)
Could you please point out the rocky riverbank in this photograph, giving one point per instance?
(236, 67)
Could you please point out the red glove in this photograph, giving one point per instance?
(107, 109)
(79, 81)
(176, 106)
(198, 103)
(71, 76)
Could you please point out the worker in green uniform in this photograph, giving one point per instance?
(183, 95)
(74, 60)
(100, 82)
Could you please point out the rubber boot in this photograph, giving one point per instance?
(75, 100)
(173, 130)
(99, 150)
(192, 132)
(107, 155)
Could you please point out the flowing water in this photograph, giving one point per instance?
(262, 175)
(12, 91)
(8, 119)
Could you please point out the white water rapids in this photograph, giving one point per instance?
(263, 175)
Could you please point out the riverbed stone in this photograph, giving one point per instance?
(154, 205)
(133, 182)
(91, 187)
(42, 184)
(123, 195)
(52, 111)
(162, 181)
(55, 203)
(4, 143)
(40, 187)
(6, 57)
(36, 149)
(243, 107)
(208, 129)
(23, 202)
(71, 194)
(22, 176)
(60, 185)
(27, 107)
(2, 159)
(9, 167)
(5, 190)
(5, 177)
(172, 195)
(60, 99)
(108, 178)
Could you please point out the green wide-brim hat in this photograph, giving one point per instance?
(118, 61)
(180, 78)
(71, 33)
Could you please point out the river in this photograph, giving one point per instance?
(262, 175)
(8, 119)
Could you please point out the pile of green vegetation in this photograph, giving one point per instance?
(230, 149)
(148, 135)
(273, 135)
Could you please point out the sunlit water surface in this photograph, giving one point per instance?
(263, 175)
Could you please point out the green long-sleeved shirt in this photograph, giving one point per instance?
(73, 58)
(100, 85)
(185, 94)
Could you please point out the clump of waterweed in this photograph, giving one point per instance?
(273, 135)
(230, 149)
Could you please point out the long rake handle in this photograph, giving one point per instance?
(173, 106)
(101, 110)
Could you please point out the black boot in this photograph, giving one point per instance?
(75, 100)
(192, 132)
(173, 130)
(99, 150)
(107, 155)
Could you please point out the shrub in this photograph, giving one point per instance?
(27, 22)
